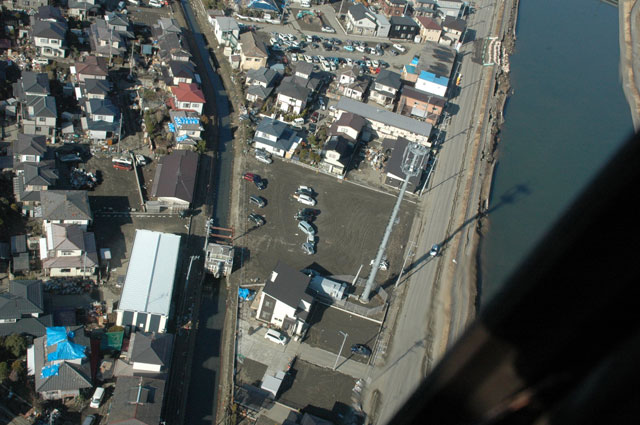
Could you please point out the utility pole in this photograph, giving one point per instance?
(345, 335)
(406, 257)
(412, 166)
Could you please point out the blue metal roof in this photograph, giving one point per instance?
(428, 76)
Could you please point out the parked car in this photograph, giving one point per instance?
(276, 336)
(314, 117)
(260, 183)
(328, 29)
(361, 349)
(259, 201)
(249, 176)
(305, 190)
(399, 47)
(97, 397)
(306, 228)
(348, 48)
(141, 159)
(256, 219)
(304, 199)
(435, 250)
(188, 212)
(265, 159)
(308, 248)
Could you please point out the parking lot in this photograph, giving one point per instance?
(349, 227)
(326, 323)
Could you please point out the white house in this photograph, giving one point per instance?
(360, 20)
(188, 96)
(284, 301)
(276, 137)
(66, 207)
(429, 82)
(68, 250)
(292, 98)
(226, 30)
(145, 303)
(49, 38)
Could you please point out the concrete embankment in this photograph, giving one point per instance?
(502, 91)
(629, 18)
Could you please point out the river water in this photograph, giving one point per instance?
(567, 116)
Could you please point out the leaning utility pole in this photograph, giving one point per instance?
(411, 166)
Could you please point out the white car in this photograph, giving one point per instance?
(306, 228)
(328, 29)
(360, 49)
(294, 57)
(306, 199)
(308, 58)
(375, 63)
(349, 62)
(399, 47)
(276, 336)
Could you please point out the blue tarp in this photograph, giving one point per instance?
(56, 334)
(246, 294)
(67, 351)
(48, 371)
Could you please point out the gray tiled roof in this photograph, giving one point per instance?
(14, 306)
(359, 12)
(31, 290)
(383, 116)
(29, 144)
(33, 83)
(34, 326)
(65, 205)
(137, 401)
(151, 348)
(389, 79)
(43, 106)
(289, 285)
(176, 176)
(293, 90)
(51, 30)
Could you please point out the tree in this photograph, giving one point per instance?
(4, 371)
(201, 147)
(15, 344)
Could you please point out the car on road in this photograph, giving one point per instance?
(305, 190)
(435, 250)
(276, 336)
(306, 228)
(305, 199)
(256, 219)
(258, 201)
(308, 248)
(360, 349)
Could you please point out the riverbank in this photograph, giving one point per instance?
(489, 157)
(629, 19)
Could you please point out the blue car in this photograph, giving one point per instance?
(348, 48)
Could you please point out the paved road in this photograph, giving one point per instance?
(423, 323)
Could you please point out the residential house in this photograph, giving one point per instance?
(137, 400)
(150, 352)
(336, 155)
(168, 25)
(93, 67)
(393, 168)
(172, 46)
(105, 41)
(22, 309)
(261, 83)
(355, 90)
(117, 22)
(81, 9)
(66, 207)
(102, 119)
(175, 180)
(186, 128)
(430, 29)
(385, 89)
(276, 137)
(347, 75)
(360, 20)
(145, 302)
(385, 123)
(417, 103)
(348, 126)
(181, 72)
(188, 96)
(253, 53)
(24, 4)
(454, 29)
(292, 98)
(303, 70)
(68, 250)
(437, 63)
(31, 178)
(383, 25)
(428, 8)
(38, 111)
(29, 148)
(48, 32)
(59, 361)
(284, 301)
(394, 7)
(93, 88)
(403, 27)
(226, 30)
(212, 14)
(451, 8)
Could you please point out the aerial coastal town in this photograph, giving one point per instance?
(240, 212)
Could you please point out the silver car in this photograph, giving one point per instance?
(308, 248)
(306, 228)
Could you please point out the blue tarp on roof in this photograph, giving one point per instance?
(56, 334)
(67, 351)
(263, 5)
(48, 371)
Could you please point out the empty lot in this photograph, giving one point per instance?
(348, 230)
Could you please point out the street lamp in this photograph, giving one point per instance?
(341, 346)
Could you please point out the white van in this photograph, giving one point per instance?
(155, 3)
(134, 2)
(298, 121)
(275, 336)
(98, 395)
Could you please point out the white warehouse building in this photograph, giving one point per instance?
(145, 303)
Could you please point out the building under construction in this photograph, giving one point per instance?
(218, 250)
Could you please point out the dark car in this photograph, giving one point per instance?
(187, 213)
(256, 219)
(257, 200)
(310, 212)
(260, 183)
(361, 349)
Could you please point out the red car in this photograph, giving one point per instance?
(314, 117)
(249, 176)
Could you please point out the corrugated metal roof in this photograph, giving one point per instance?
(149, 282)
